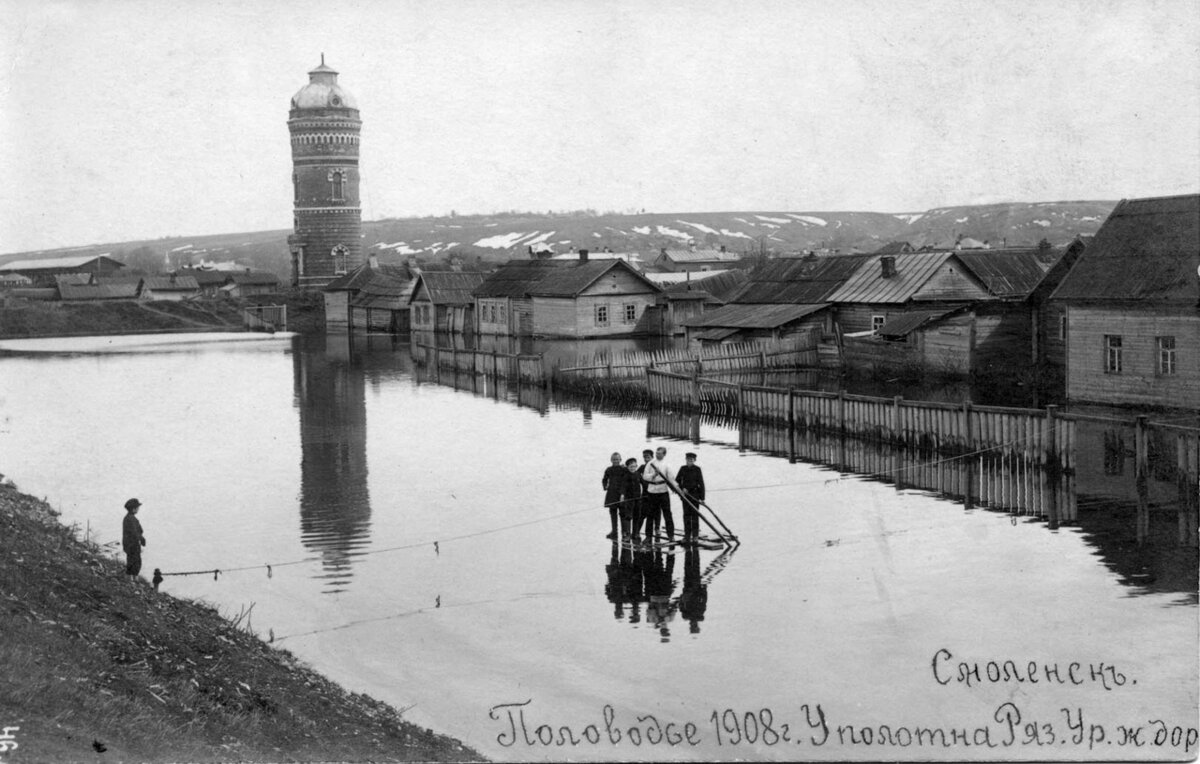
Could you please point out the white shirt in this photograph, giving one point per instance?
(655, 479)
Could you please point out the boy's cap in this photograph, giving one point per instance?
(689, 455)
(132, 504)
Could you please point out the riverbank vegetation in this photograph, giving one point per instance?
(95, 663)
(306, 314)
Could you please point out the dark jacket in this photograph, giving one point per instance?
(131, 533)
(691, 479)
(613, 484)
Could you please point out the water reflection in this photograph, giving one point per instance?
(335, 507)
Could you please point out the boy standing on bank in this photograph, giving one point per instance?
(132, 538)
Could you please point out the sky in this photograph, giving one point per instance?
(125, 119)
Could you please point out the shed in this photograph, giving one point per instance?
(742, 323)
(441, 301)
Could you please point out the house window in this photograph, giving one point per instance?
(1112, 353)
(1062, 327)
(601, 315)
(1166, 355)
(337, 185)
(877, 322)
(339, 254)
(631, 313)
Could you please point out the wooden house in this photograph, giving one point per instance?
(1133, 307)
(503, 306)
(884, 286)
(737, 323)
(248, 283)
(381, 304)
(692, 259)
(690, 299)
(168, 287)
(209, 280)
(441, 301)
(602, 298)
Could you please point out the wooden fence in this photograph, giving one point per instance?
(527, 369)
(1024, 460)
(265, 317)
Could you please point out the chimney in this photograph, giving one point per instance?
(662, 250)
(373, 262)
(722, 248)
(583, 255)
(887, 265)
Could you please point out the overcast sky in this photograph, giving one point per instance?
(125, 119)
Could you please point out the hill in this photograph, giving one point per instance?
(482, 239)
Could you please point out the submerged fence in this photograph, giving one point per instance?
(265, 317)
(1023, 460)
(527, 369)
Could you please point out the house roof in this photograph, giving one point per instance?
(714, 335)
(906, 323)
(754, 316)
(72, 278)
(571, 282)
(895, 248)
(355, 279)
(912, 272)
(384, 290)
(252, 278)
(205, 276)
(516, 277)
(1010, 272)
(77, 261)
(720, 286)
(1147, 249)
(449, 287)
(122, 291)
(170, 283)
(797, 280)
(700, 255)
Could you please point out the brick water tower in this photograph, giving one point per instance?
(326, 238)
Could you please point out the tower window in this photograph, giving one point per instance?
(337, 185)
(296, 187)
(339, 258)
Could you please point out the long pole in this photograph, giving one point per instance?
(725, 537)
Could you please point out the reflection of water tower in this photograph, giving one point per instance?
(335, 507)
(327, 224)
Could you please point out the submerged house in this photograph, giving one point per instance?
(503, 306)
(370, 296)
(683, 301)
(441, 301)
(1132, 307)
(601, 298)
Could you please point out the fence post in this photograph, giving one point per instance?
(696, 392)
(791, 419)
(1142, 477)
(897, 442)
(968, 455)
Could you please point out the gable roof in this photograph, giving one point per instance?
(448, 287)
(700, 255)
(516, 277)
(170, 283)
(720, 286)
(913, 271)
(118, 291)
(895, 248)
(358, 277)
(1010, 272)
(1146, 249)
(385, 290)
(797, 280)
(571, 282)
(56, 262)
(754, 316)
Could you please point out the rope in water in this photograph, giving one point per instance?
(269, 567)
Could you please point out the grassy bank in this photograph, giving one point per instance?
(96, 667)
(306, 314)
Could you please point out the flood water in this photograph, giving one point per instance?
(443, 550)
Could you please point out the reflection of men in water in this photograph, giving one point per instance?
(621, 574)
(659, 573)
(613, 484)
(656, 475)
(694, 599)
(691, 485)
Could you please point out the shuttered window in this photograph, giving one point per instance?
(1112, 353)
(1166, 355)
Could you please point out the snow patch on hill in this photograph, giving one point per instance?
(781, 221)
(399, 247)
(698, 226)
(811, 220)
(644, 230)
(1042, 223)
(502, 241)
(737, 234)
(909, 217)
(665, 231)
